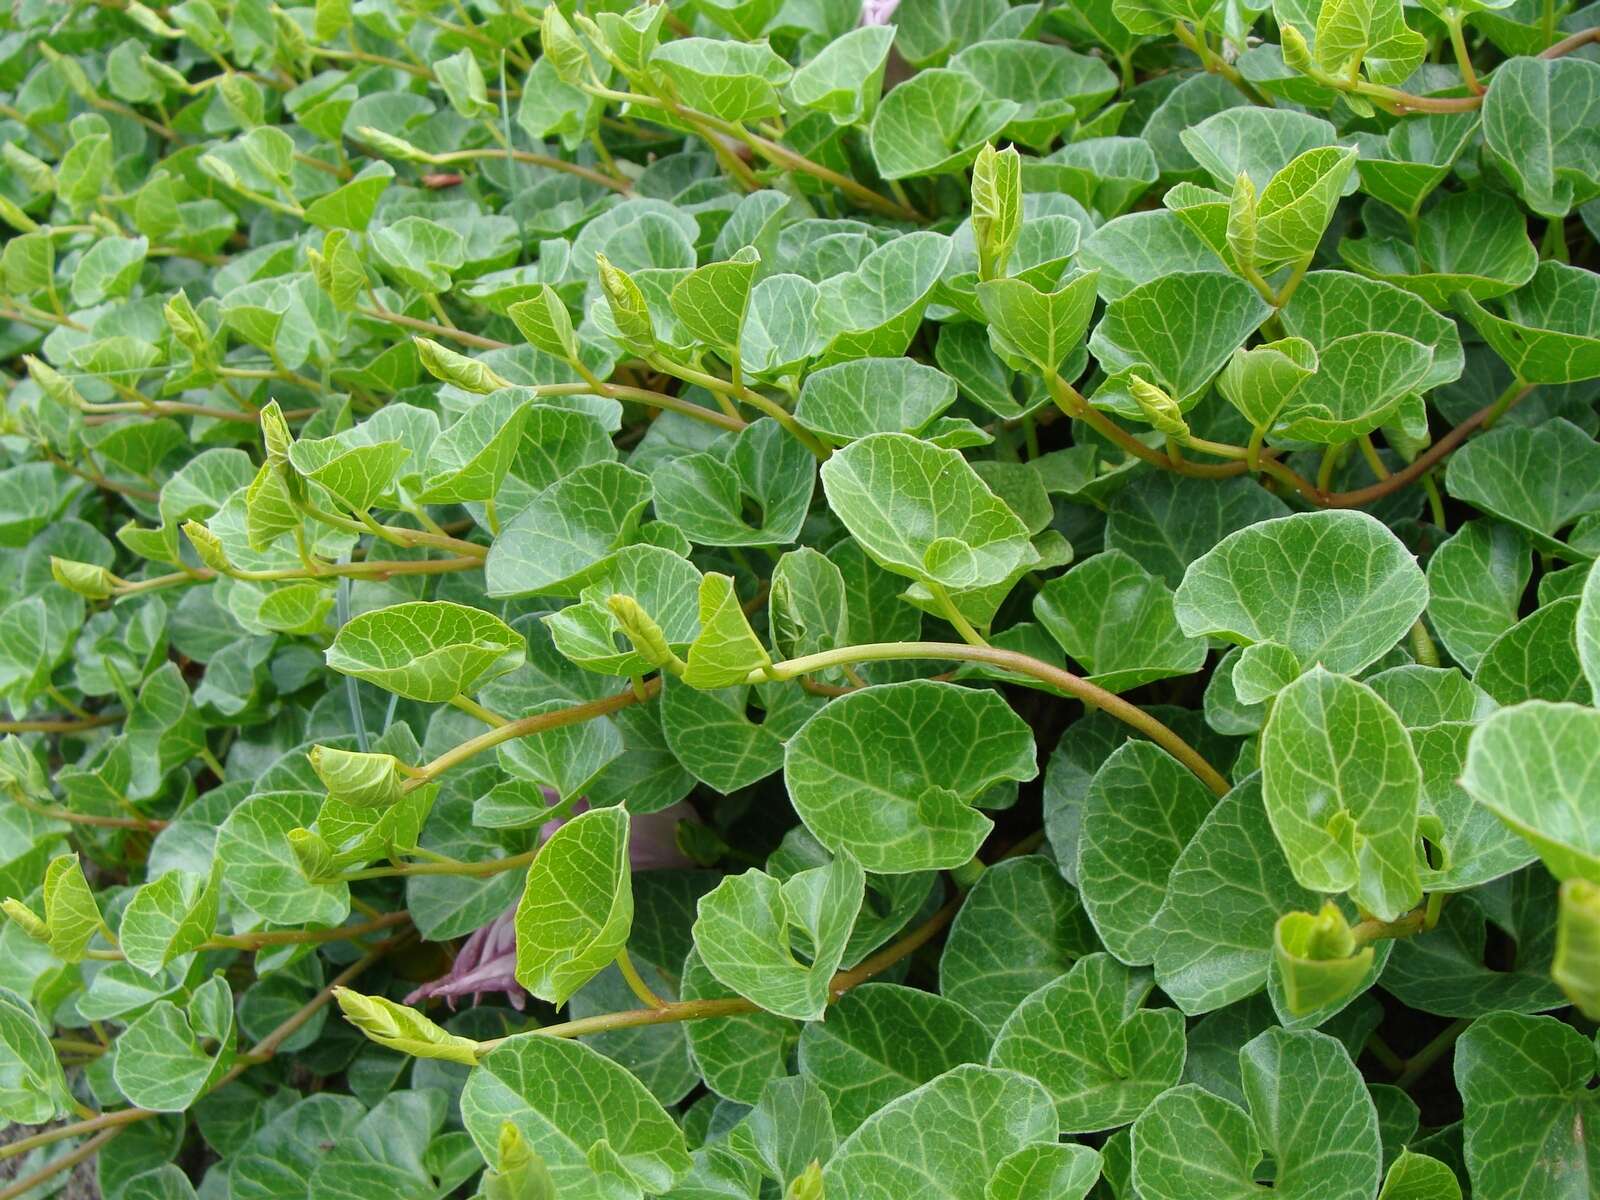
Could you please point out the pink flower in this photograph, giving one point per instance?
(487, 961)
(878, 12)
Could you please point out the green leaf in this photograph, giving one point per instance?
(172, 915)
(1371, 32)
(1415, 1176)
(1549, 330)
(1086, 1038)
(1475, 586)
(419, 253)
(875, 309)
(1527, 1088)
(1370, 590)
(845, 78)
(160, 1064)
(711, 300)
(33, 1088)
(881, 1041)
(1045, 1170)
(577, 907)
(1317, 959)
(1309, 1111)
(594, 1125)
(1117, 620)
(873, 395)
(736, 81)
(1359, 384)
(71, 915)
(1538, 117)
(1141, 811)
(890, 1155)
(736, 1055)
(935, 123)
(727, 649)
(1178, 330)
(896, 814)
(1472, 242)
(1223, 899)
(1343, 789)
(1329, 305)
(1021, 926)
(403, 1029)
(665, 587)
(923, 512)
(708, 495)
(746, 927)
(1042, 328)
(261, 872)
(556, 545)
(1588, 630)
(1537, 658)
(426, 650)
(1052, 85)
(1539, 479)
(1527, 765)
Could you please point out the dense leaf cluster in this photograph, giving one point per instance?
(987, 602)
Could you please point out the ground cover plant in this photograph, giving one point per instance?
(755, 598)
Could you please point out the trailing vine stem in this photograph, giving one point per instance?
(262, 1051)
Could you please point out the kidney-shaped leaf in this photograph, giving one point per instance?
(889, 773)
(1368, 588)
(426, 650)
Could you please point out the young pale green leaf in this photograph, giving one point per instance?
(727, 649)
(577, 908)
(1527, 1086)
(1318, 960)
(1370, 590)
(71, 916)
(746, 926)
(1576, 966)
(404, 1029)
(856, 795)
(1045, 1171)
(921, 511)
(890, 1155)
(1529, 765)
(1309, 1111)
(594, 1125)
(664, 585)
(544, 320)
(996, 209)
(261, 872)
(1040, 328)
(1117, 620)
(1343, 789)
(426, 650)
(1372, 33)
(1085, 1036)
(1413, 1176)
(711, 300)
(172, 915)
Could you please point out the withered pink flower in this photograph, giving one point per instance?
(487, 961)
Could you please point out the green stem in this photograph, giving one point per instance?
(1052, 677)
(636, 982)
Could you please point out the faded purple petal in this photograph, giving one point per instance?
(878, 12)
(487, 960)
